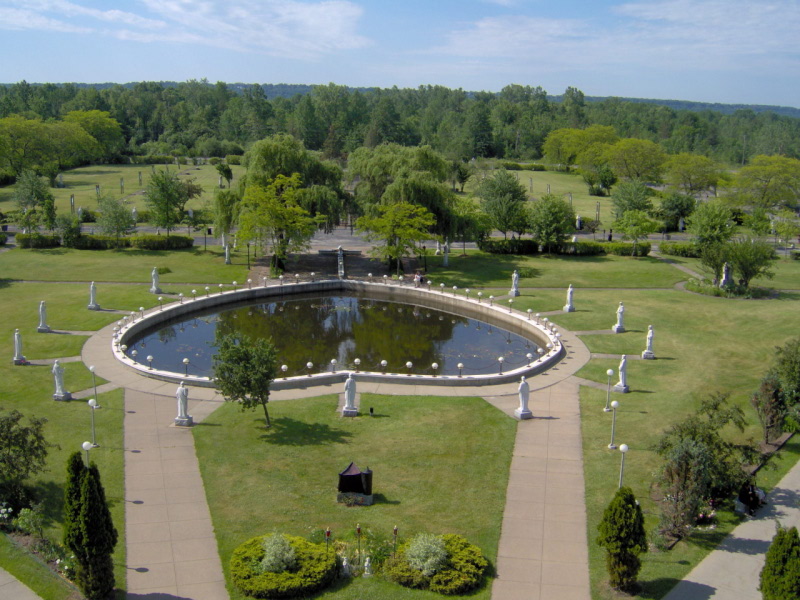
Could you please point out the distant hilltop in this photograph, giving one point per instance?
(288, 90)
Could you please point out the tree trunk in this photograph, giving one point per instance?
(266, 413)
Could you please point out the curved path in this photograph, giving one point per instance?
(171, 548)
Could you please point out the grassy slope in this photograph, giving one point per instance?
(441, 465)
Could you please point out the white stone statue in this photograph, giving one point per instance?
(345, 567)
(727, 279)
(134, 215)
(438, 248)
(227, 255)
(19, 359)
(620, 326)
(350, 409)
(524, 389)
(58, 376)
(514, 291)
(154, 289)
(43, 327)
(622, 386)
(183, 419)
(578, 223)
(93, 305)
(446, 254)
(367, 567)
(569, 306)
(648, 353)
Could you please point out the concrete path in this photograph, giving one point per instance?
(731, 572)
(171, 548)
(13, 589)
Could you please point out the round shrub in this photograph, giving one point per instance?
(278, 554)
(461, 572)
(425, 552)
(315, 569)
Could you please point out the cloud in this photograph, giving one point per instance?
(304, 29)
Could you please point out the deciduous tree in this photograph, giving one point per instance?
(751, 259)
(551, 220)
(398, 228)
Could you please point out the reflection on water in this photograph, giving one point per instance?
(344, 328)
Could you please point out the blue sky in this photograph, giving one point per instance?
(733, 51)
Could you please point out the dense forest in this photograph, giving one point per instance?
(197, 118)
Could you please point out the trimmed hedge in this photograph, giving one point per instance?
(316, 570)
(513, 246)
(101, 242)
(3, 239)
(162, 242)
(682, 249)
(582, 248)
(463, 571)
(37, 240)
(626, 249)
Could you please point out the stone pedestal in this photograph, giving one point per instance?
(93, 307)
(621, 389)
(513, 292)
(184, 421)
(618, 329)
(569, 308)
(44, 329)
(647, 355)
(350, 412)
(20, 360)
(523, 414)
(62, 397)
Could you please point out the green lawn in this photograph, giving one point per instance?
(130, 265)
(787, 272)
(479, 269)
(440, 464)
(80, 183)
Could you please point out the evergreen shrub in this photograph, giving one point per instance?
(315, 569)
(3, 239)
(626, 249)
(101, 242)
(461, 571)
(513, 246)
(780, 577)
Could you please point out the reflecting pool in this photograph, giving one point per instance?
(343, 327)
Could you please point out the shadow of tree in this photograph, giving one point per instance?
(286, 431)
(688, 590)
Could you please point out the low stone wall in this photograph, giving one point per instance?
(514, 321)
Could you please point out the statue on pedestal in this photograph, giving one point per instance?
(227, 254)
(514, 291)
(648, 353)
(524, 390)
(184, 419)
(58, 376)
(350, 409)
(622, 386)
(43, 327)
(620, 326)
(19, 359)
(154, 289)
(93, 305)
(569, 306)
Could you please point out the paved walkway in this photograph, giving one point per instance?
(12, 589)
(731, 572)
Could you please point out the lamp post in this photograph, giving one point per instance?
(549, 346)
(94, 380)
(134, 354)
(333, 365)
(297, 278)
(150, 361)
(394, 535)
(500, 359)
(480, 295)
(235, 283)
(220, 288)
(540, 352)
(208, 291)
(161, 303)
(491, 300)
(357, 363)
(383, 366)
(309, 366)
(264, 279)
(610, 374)
(280, 278)
(370, 277)
(284, 368)
(441, 286)
(538, 316)
(249, 281)
(530, 312)
(186, 366)
(614, 407)
(460, 368)
(87, 446)
(510, 303)
(434, 366)
(624, 449)
(455, 288)
(141, 310)
(194, 295)
(180, 297)
(409, 364)
(529, 356)
(94, 406)
(466, 291)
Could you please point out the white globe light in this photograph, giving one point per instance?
(610, 372)
(86, 446)
(615, 404)
(623, 448)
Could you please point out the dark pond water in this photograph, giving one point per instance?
(318, 329)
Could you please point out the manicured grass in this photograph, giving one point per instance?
(33, 573)
(787, 272)
(81, 182)
(129, 265)
(479, 269)
(703, 345)
(440, 464)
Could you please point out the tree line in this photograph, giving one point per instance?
(202, 119)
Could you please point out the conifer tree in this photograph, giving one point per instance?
(72, 498)
(780, 577)
(623, 536)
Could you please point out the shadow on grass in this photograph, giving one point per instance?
(689, 590)
(4, 282)
(286, 431)
(381, 499)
